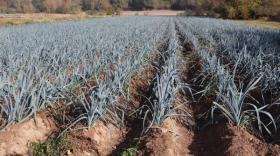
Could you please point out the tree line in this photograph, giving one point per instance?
(242, 9)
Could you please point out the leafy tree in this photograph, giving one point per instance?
(242, 9)
(123, 4)
(136, 4)
(39, 6)
(87, 5)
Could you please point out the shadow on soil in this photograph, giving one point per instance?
(213, 141)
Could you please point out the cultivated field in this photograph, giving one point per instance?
(140, 86)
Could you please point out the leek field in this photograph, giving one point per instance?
(140, 86)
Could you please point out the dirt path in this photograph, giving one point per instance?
(171, 138)
(101, 139)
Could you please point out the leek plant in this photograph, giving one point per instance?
(40, 61)
(232, 95)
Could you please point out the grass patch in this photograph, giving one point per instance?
(130, 152)
(262, 23)
(57, 147)
(10, 23)
(146, 59)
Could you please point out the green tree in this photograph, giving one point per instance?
(136, 4)
(123, 4)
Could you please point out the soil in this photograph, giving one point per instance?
(101, 139)
(226, 139)
(139, 85)
(15, 139)
(171, 138)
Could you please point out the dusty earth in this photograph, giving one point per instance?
(225, 139)
(171, 138)
(101, 139)
(15, 139)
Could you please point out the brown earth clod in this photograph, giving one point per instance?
(15, 139)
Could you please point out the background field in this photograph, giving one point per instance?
(17, 19)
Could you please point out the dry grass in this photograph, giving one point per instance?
(262, 23)
(18, 19)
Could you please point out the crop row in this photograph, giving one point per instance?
(255, 51)
(41, 64)
(227, 50)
